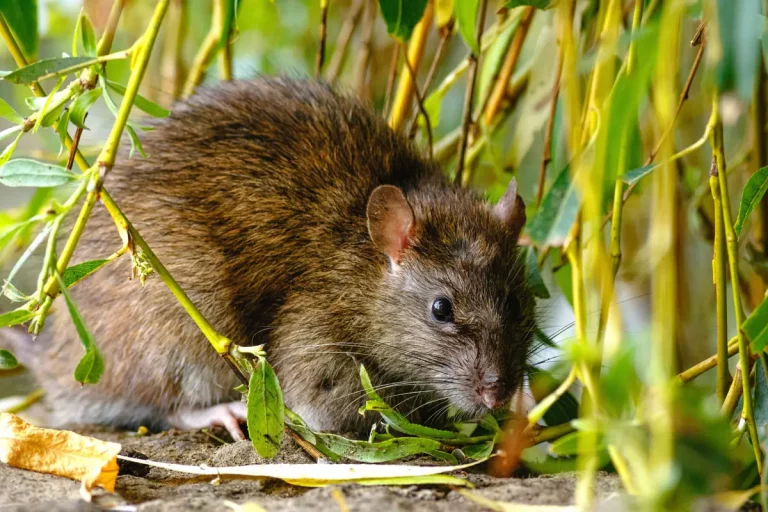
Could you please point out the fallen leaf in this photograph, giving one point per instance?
(319, 475)
(58, 452)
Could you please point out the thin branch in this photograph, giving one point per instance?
(342, 41)
(321, 44)
(207, 49)
(445, 34)
(366, 45)
(510, 62)
(105, 43)
(469, 93)
(420, 103)
(718, 263)
(402, 102)
(391, 79)
(547, 156)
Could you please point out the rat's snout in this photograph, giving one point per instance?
(490, 391)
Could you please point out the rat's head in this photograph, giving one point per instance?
(459, 314)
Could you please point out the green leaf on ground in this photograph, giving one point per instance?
(265, 410)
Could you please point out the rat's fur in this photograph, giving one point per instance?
(254, 197)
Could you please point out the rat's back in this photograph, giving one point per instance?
(250, 190)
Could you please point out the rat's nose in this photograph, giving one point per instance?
(491, 393)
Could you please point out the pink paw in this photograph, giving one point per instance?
(227, 415)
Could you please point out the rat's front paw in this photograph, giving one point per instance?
(228, 415)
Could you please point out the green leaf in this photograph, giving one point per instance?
(140, 101)
(61, 129)
(384, 451)
(570, 443)
(478, 451)
(490, 65)
(13, 293)
(397, 420)
(87, 35)
(535, 280)
(7, 235)
(9, 149)
(466, 17)
(39, 239)
(739, 26)
(633, 176)
(8, 112)
(81, 106)
(402, 16)
(23, 172)
(48, 68)
(46, 116)
(753, 192)
(761, 399)
(76, 273)
(557, 213)
(756, 327)
(21, 17)
(7, 360)
(538, 4)
(135, 142)
(91, 366)
(17, 316)
(265, 410)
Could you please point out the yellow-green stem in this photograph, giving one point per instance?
(718, 277)
(732, 249)
(207, 49)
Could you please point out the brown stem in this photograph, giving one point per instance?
(323, 30)
(391, 79)
(547, 156)
(469, 94)
(499, 91)
(342, 41)
(420, 103)
(445, 33)
(366, 44)
(701, 41)
(75, 144)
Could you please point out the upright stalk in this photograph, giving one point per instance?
(718, 276)
(747, 411)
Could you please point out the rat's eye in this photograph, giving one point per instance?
(442, 310)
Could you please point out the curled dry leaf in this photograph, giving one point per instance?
(58, 452)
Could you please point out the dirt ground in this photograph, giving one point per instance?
(144, 489)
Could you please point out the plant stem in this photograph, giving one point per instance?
(469, 93)
(718, 276)
(16, 53)
(547, 156)
(548, 401)
(105, 43)
(320, 58)
(207, 49)
(445, 34)
(709, 363)
(402, 103)
(391, 79)
(420, 104)
(366, 43)
(732, 248)
(549, 434)
(510, 61)
(343, 40)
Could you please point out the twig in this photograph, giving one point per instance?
(683, 97)
(366, 43)
(105, 43)
(75, 144)
(28, 400)
(731, 245)
(718, 264)
(321, 44)
(420, 103)
(207, 49)
(547, 156)
(391, 79)
(402, 102)
(510, 61)
(445, 34)
(308, 447)
(171, 57)
(469, 93)
(342, 41)
(734, 393)
(709, 363)
(17, 53)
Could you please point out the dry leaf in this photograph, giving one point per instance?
(58, 452)
(318, 475)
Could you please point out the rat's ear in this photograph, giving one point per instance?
(511, 209)
(390, 221)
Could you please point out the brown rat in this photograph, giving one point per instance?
(294, 217)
